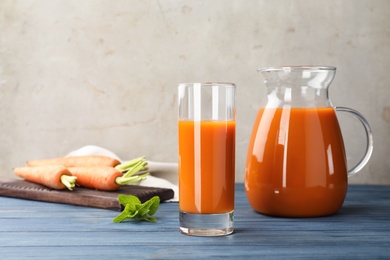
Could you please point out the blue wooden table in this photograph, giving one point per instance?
(39, 230)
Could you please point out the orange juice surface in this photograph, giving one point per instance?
(296, 163)
(206, 166)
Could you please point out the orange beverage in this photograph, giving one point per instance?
(206, 166)
(296, 164)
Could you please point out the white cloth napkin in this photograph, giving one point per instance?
(162, 174)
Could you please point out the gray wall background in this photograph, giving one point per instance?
(74, 73)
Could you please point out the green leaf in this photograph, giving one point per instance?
(154, 203)
(135, 210)
(122, 216)
(151, 219)
(143, 209)
(128, 199)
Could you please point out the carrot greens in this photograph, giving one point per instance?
(135, 210)
(131, 171)
(127, 166)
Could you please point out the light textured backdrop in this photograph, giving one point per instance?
(99, 72)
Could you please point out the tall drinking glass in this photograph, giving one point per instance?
(207, 132)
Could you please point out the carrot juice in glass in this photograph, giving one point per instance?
(206, 137)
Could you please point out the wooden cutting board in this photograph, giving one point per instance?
(80, 196)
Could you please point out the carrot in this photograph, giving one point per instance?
(97, 172)
(52, 176)
(107, 178)
(100, 178)
(76, 161)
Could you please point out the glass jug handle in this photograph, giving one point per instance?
(370, 142)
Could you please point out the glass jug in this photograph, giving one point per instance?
(296, 163)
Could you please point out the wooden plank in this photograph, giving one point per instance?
(37, 229)
(81, 196)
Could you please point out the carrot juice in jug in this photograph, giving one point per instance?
(296, 161)
(298, 165)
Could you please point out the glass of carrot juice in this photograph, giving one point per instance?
(206, 137)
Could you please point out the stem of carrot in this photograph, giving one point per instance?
(126, 166)
(130, 177)
(69, 181)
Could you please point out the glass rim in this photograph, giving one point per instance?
(297, 68)
(207, 84)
